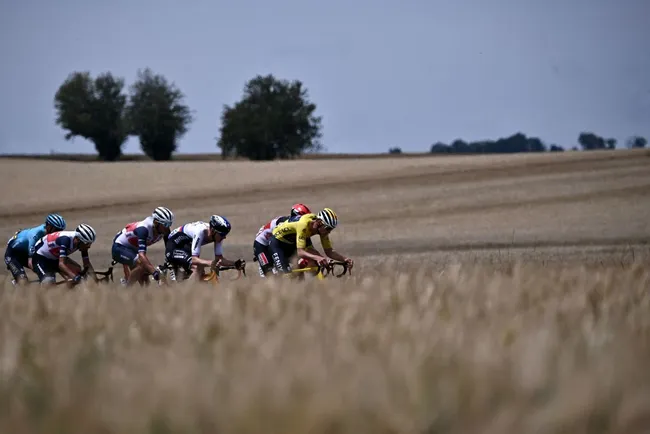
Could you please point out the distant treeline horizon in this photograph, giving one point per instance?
(519, 142)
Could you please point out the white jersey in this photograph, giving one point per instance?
(264, 234)
(194, 235)
(138, 235)
(56, 245)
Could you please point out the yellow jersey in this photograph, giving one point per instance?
(297, 232)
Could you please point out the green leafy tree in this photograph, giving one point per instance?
(274, 119)
(440, 148)
(590, 141)
(94, 110)
(636, 142)
(610, 143)
(157, 114)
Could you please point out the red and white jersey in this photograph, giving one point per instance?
(138, 235)
(264, 234)
(195, 235)
(56, 245)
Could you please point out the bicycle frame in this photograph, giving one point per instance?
(212, 277)
(106, 276)
(324, 270)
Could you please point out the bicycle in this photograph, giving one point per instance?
(213, 277)
(106, 276)
(322, 270)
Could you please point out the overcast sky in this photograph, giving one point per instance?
(383, 73)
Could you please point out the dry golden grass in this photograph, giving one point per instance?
(520, 304)
(521, 349)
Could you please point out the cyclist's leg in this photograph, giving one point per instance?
(123, 255)
(45, 269)
(308, 263)
(178, 258)
(16, 263)
(137, 273)
(263, 258)
(74, 265)
(281, 254)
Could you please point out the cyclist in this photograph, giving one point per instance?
(52, 253)
(20, 247)
(294, 237)
(261, 244)
(130, 244)
(183, 247)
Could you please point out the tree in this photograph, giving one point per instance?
(157, 114)
(611, 143)
(460, 146)
(556, 148)
(440, 148)
(395, 150)
(274, 119)
(94, 110)
(590, 141)
(636, 142)
(535, 144)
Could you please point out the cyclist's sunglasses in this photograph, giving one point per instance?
(328, 228)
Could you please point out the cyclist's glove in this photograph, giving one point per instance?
(156, 275)
(77, 278)
(239, 264)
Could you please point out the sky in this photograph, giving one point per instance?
(382, 73)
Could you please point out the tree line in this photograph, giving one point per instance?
(519, 142)
(274, 119)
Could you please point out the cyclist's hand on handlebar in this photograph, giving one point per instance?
(324, 262)
(350, 262)
(240, 264)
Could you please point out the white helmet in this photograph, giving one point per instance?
(164, 216)
(329, 217)
(86, 233)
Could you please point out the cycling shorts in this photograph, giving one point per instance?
(16, 261)
(123, 254)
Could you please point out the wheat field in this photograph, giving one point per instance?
(490, 294)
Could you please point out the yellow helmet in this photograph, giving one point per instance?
(329, 217)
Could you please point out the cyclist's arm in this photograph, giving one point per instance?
(329, 249)
(142, 233)
(218, 255)
(335, 255)
(31, 249)
(304, 247)
(85, 258)
(197, 241)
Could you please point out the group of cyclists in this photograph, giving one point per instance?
(46, 249)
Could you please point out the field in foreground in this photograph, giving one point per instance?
(520, 349)
(491, 294)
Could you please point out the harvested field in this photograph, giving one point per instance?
(490, 294)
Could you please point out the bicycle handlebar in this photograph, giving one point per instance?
(327, 269)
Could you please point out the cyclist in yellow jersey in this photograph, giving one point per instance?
(294, 236)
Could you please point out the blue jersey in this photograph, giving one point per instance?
(25, 239)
